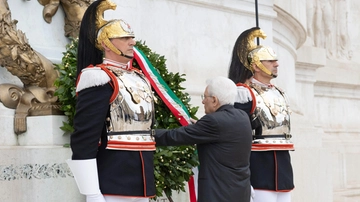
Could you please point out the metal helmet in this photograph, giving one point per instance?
(249, 53)
(241, 66)
(262, 53)
(107, 30)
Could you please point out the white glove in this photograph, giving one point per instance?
(86, 178)
(95, 198)
(252, 195)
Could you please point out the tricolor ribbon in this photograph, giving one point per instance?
(175, 105)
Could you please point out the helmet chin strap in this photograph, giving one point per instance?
(259, 64)
(263, 68)
(127, 56)
(116, 50)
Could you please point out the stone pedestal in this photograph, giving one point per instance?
(44, 130)
(32, 165)
(37, 174)
(7, 135)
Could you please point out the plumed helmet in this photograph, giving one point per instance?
(249, 53)
(94, 30)
(245, 49)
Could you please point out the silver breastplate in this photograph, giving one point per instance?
(133, 109)
(272, 111)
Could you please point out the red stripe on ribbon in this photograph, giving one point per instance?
(174, 111)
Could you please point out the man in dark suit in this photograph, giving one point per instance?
(223, 138)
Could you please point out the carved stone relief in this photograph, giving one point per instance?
(327, 27)
(74, 11)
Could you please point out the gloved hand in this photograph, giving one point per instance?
(252, 195)
(86, 178)
(95, 198)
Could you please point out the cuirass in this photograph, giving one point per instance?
(133, 108)
(131, 113)
(272, 110)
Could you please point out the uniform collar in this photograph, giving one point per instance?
(254, 81)
(116, 64)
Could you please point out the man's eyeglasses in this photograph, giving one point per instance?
(205, 96)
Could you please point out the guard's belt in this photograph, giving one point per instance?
(131, 132)
(136, 140)
(285, 135)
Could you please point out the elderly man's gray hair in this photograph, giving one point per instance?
(223, 88)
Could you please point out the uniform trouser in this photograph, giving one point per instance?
(124, 199)
(271, 196)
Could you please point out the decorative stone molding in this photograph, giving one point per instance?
(34, 171)
(289, 32)
(337, 90)
(309, 59)
(32, 101)
(233, 6)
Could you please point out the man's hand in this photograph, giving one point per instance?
(193, 121)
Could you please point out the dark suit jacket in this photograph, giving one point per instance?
(223, 141)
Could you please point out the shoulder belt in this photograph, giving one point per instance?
(280, 90)
(253, 106)
(112, 80)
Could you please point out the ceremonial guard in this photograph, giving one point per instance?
(252, 68)
(112, 148)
